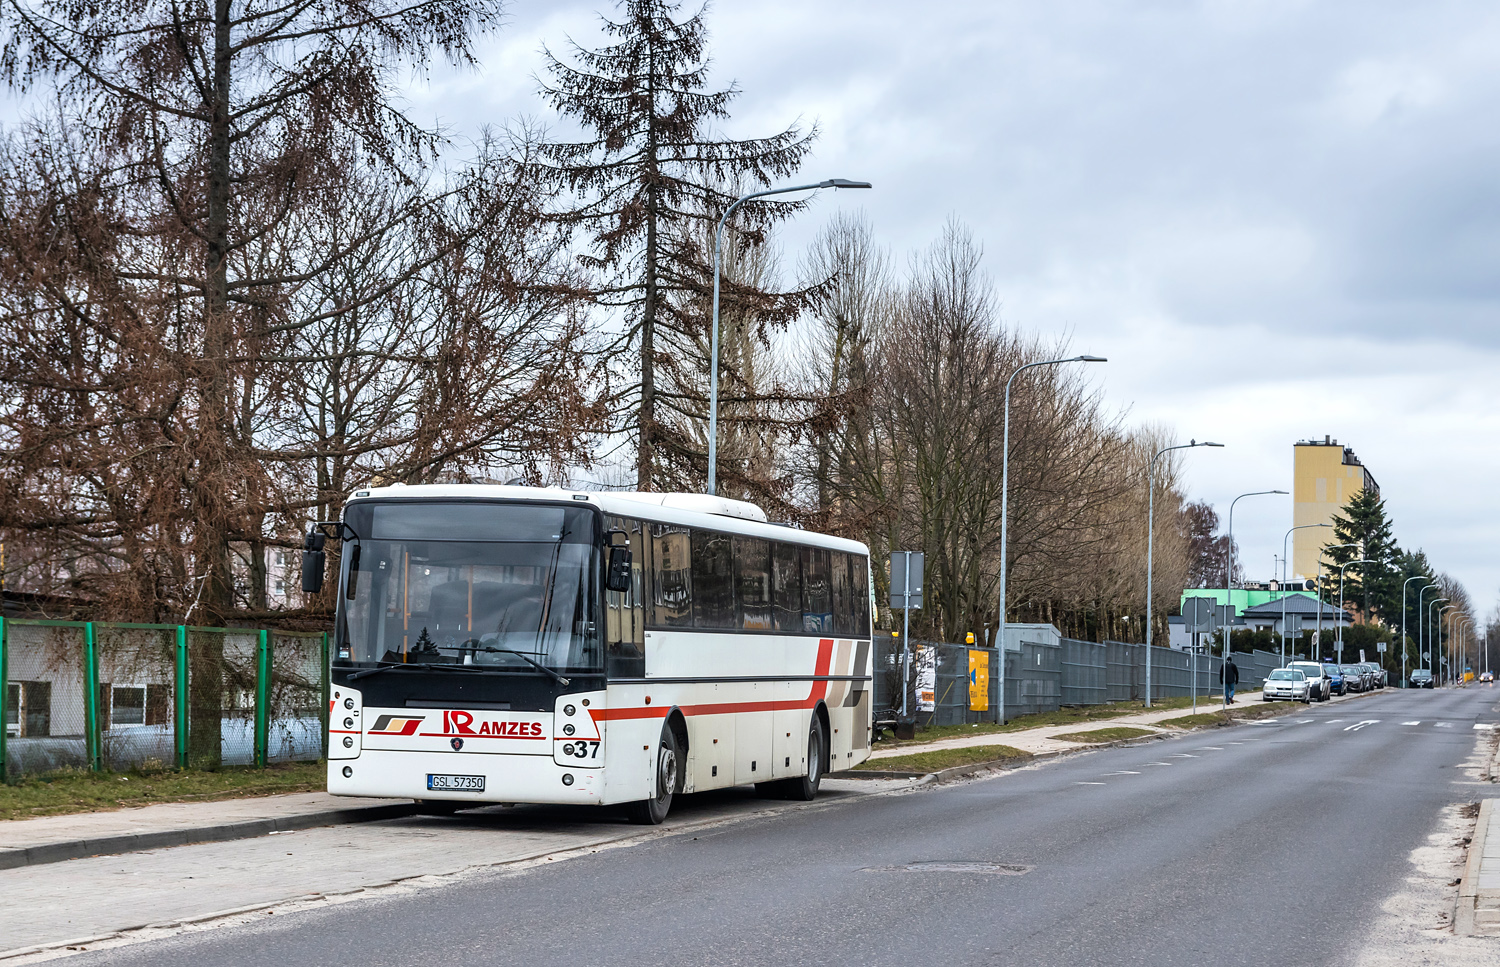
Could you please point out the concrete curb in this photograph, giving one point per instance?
(1468, 886)
(109, 845)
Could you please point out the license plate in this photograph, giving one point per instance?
(455, 783)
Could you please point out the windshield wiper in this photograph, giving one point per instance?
(427, 665)
(508, 651)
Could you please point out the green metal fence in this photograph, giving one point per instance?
(108, 696)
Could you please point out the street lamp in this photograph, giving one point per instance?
(1434, 645)
(1422, 644)
(1339, 648)
(1150, 536)
(1447, 647)
(1414, 577)
(1318, 583)
(1283, 581)
(1229, 578)
(1005, 501)
(713, 365)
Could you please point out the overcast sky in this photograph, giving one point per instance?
(1277, 219)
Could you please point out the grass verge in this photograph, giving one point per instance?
(938, 759)
(1258, 711)
(77, 791)
(1114, 734)
(1065, 716)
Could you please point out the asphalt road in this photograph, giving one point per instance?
(1266, 843)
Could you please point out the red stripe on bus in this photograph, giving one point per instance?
(814, 696)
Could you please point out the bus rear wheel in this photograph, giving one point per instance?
(653, 811)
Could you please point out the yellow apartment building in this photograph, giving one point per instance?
(1325, 476)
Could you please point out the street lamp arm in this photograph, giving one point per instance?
(713, 362)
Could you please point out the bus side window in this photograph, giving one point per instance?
(817, 596)
(752, 581)
(713, 581)
(624, 611)
(671, 577)
(843, 597)
(860, 581)
(786, 581)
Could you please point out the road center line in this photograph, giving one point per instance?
(1188, 755)
(1418, 722)
(1122, 772)
(1088, 783)
(1359, 725)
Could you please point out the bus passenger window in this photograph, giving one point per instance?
(713, 581)
(786, 579)
(817, 596)
(671, 577)
(843, 603)
(752, 578)
(860, 582)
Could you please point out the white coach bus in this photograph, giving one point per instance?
(512, 644)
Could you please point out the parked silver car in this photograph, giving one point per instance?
(1288, 684)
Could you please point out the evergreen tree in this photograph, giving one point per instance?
(1376, 586)
(650, 185)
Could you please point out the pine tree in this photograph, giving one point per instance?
(1374, 585)
(650, 184)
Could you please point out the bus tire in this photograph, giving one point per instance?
(801, 788)
(805, 788)
(651, 812)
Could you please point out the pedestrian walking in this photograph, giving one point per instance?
(1229, 676)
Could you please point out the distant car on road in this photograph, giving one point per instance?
(1320, 686)
(1487, 677)
(1286, 683)
(1335, 679)
(1420, 678)
(1354, 678)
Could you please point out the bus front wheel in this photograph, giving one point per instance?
(651, 812)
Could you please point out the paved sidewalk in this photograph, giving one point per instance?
(50, 839)
(1041, 739)
(1479, 889)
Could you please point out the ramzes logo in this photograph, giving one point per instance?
(462, 723)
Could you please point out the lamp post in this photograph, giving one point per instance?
(1005, 503)
(1339, 648)
(1438, 666)
(1284, 538)
(1150, 537)
(1422, 646)
(713, 364)
(1229, 580)
(1414, 577)
(1318, 582)
(1447, 647)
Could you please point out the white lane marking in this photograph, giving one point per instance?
(1210, 748)
(1331, 721)
(1484, 726)
(1158, 763)
(1417, 722)
(1356, 727)
(1185, 755)
(1088, 783)
(1303, 721)
(1442, 725)
(1122, 772)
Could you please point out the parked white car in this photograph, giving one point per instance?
(1286, 683)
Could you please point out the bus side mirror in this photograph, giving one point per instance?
(313, 559)
(618, 578)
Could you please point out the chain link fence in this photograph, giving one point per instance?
(1043, 677)
(107, 696)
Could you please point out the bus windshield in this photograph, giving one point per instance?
(478, 583)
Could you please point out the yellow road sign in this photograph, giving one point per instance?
(979, 680)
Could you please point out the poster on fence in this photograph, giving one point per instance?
(926, 659)
(979, 680)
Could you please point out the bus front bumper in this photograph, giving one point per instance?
(380, 774)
